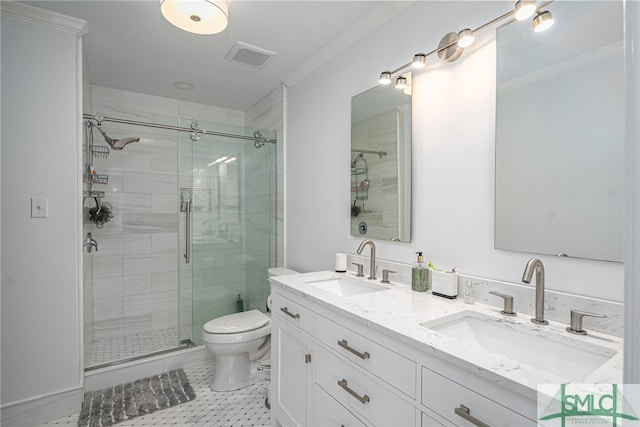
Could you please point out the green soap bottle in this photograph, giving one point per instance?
(420, 276)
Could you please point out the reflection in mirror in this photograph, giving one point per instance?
(381, 163)
(560, 134)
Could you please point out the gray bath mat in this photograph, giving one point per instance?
(116, 404)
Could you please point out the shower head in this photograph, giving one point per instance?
(117, 144)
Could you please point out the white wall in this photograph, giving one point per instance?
(40, 256)
(453, 156)
(632, 214)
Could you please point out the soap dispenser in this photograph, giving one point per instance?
(469, 295)
(420, 275)
(239, 304)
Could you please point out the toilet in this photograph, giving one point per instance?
(240, 342)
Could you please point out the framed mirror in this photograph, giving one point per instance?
(381, 163)
(560, 134)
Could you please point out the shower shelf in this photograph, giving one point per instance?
(359, 182)
(100, 179)
(100, 152)
(94, 194)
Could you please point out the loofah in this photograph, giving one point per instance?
(100, 218)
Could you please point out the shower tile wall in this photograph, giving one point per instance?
(268, 113)
(135, 271)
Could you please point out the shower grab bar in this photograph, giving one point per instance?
(187, 232)
(101, 119)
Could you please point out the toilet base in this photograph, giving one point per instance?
(233, 372)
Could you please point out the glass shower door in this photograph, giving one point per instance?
(227, 184)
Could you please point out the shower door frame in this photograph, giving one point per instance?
(195, 131)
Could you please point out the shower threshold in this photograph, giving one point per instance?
(115, 350)
(184, 344)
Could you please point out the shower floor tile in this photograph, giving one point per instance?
(122, 348)
(240, 408)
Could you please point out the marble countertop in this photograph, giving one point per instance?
(399, 312)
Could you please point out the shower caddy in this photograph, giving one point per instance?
(359, 184)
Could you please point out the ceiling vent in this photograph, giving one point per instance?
(245, 54)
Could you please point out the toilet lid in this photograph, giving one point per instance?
(238, 322)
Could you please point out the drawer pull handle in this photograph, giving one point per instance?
(286, 311)
(362, 399)
(363, 356)
(465, 413)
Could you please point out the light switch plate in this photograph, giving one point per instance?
(39, 207)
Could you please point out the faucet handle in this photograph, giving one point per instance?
(508, 303)
(576, 321)
(385, 276)
(360, 269)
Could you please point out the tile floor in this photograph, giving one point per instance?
(241, 408)
(121, 348)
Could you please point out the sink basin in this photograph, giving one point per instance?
(548, 351)
(346, 288)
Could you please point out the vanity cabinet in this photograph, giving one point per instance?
(329, 412)
(291, 357)
(330, 368)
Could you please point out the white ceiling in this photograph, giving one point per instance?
(130, 45)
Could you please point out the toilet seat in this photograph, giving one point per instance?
(237, 328)
(237, 322)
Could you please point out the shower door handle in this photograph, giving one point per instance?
(187, 232)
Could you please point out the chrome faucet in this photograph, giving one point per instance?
(372, 267)
(534, 264)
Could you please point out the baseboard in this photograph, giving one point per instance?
(40, 409)
(130, 371)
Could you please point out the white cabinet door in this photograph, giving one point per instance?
(292, 373)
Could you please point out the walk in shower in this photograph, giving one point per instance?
(181, 232)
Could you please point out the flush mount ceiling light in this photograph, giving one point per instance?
(524, 9)
(542, 21)
(197, 16)
(452, 45)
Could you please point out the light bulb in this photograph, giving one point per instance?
(419, 60)
(385, 77)
(465, 38)
(524, 9)
(542, 21)
(401, 83)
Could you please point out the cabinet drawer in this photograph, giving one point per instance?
(427, 421)
(443, 396)
(397, 370)
(375, 402)
(329, 412)
(293, 312)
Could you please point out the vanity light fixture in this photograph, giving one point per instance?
(452, 44)
(542, 21)
(465, 38)
(419, 61)
(401, 82)
(230, 160)
(524, 9)
(385, 77)
(197, 16)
